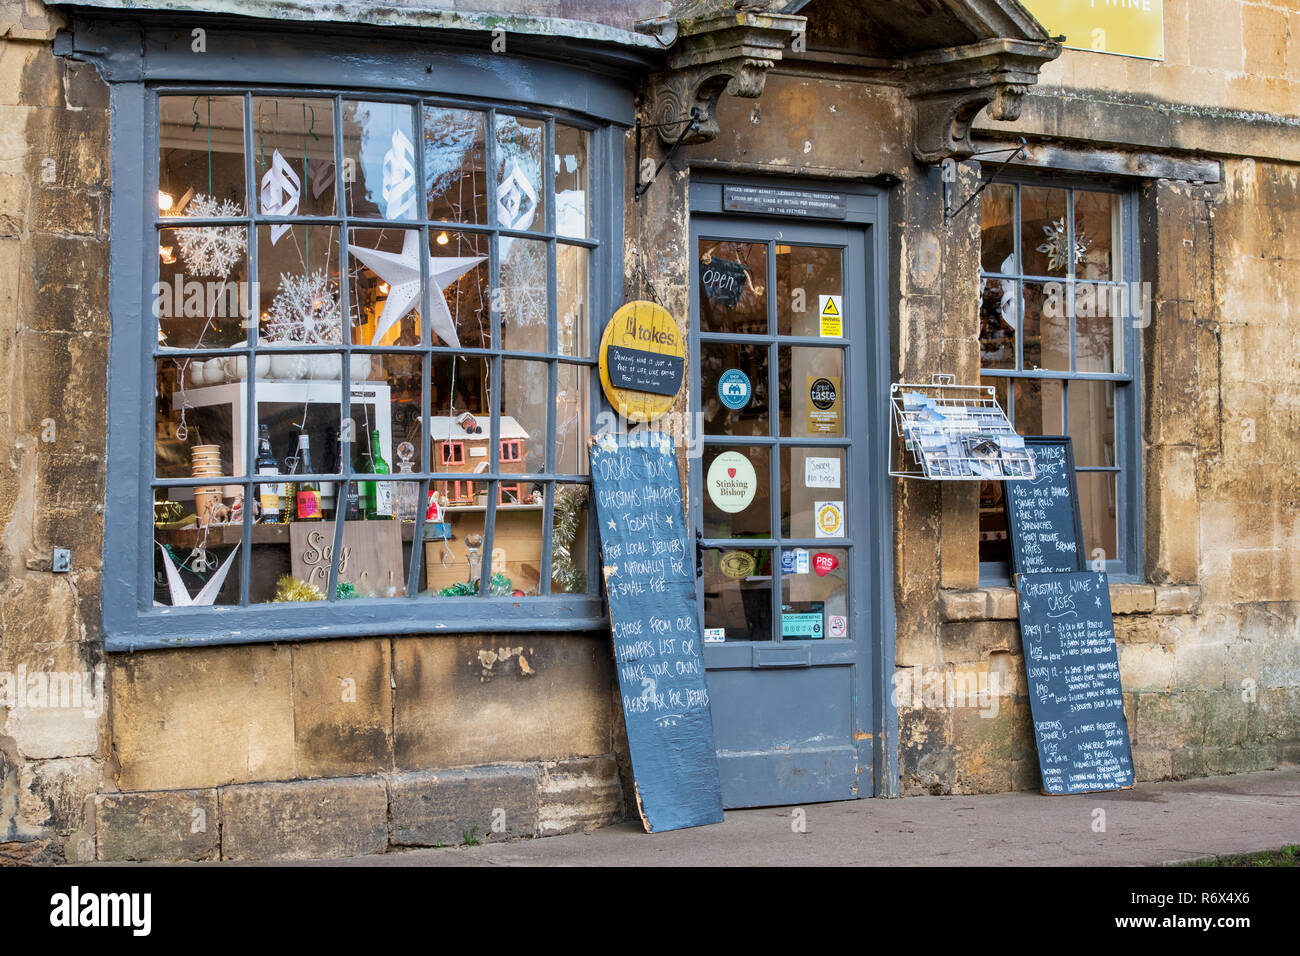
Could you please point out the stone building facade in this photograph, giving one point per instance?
(356, 743)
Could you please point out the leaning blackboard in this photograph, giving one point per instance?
(1072, 666)
(650, 580)
(1043, 519)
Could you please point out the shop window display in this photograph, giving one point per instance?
(343, 408)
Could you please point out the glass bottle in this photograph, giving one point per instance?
(307, 495)
(406, 497)
(271, 494)
(377, 496)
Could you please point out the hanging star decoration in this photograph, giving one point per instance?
(401, 270)
(181, 594)
(211, 250)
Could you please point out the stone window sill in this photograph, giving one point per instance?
(999, 604)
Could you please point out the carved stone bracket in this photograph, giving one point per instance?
(948, 88)
(726, 54)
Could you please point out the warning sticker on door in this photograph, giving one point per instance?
(837, 625)
(831, 310)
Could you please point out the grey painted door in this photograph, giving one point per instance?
(779, 500)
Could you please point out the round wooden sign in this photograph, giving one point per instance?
(642, 359)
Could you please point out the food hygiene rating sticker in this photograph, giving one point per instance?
(732, 482)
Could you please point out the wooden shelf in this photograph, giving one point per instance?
(228, 535)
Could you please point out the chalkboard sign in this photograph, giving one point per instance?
(1072, 666)
(723, 280)
(649, 570)
(1043, 519)
(644, 371)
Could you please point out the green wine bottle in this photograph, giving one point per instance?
(377, 496)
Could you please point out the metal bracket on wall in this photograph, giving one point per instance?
(1017, 152)
(692, 125)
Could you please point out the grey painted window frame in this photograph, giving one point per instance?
(276, 62)
(1127, 564)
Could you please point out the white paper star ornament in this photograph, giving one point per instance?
(401, 270)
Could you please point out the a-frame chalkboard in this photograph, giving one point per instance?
(1043, 520)
(649, 569)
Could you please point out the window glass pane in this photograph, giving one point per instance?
(197, 420)
(1043, 231)
(997, 228)
(455, 164)
(1097, 504)
(293, 156)
(1039, 404)
(570, 181)
(570, 560)
(524, 274)
(993, 545)
(458, 269)
(736, 492)
(1098, 311)
(733, 389)
(809, 478)
(814, 594)
(379, 160)
(571, 300)
(733, 282)
(804, 275)
(1092, 423)
(197, 564)
(520, 194)
(812, 392)
(459, 387)
(298, 284)
(201, 156)
(385, 410)
(1047, 326)
(195, 308)
(525, 399)
(998, 323)
(1097, 235)
(737, 594)
(385, 287)
(572, 425)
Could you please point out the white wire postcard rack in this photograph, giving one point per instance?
(949, 432)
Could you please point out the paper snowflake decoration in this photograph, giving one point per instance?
(1055, 246)
(212, 250)
(305, 311)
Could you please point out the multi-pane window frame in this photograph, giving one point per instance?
(248, 622)
(1126, 564)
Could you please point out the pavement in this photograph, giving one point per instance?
(1151, 824)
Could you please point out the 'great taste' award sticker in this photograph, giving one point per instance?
(732, 482)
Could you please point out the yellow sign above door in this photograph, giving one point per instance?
(1123, 27)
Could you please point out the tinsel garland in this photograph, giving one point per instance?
(500, 586)
(289, 588)
(570, 502)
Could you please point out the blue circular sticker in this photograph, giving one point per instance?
(734, 388)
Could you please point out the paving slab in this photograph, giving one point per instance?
(1151, 824)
